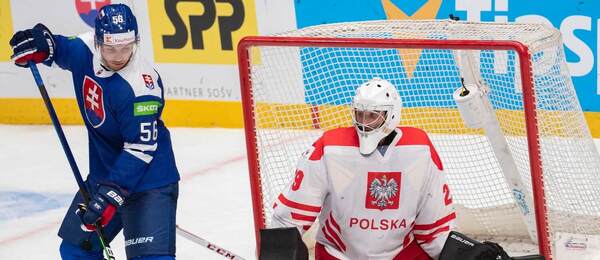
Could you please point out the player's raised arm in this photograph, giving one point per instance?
(40, 45)
(35, 44)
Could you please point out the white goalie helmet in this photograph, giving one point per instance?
(375, 112)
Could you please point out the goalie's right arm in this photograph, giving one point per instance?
(300, 202)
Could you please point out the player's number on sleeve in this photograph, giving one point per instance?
(447, 198)
(148, 131)
(297, 180)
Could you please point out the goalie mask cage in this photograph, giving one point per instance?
(297, 84)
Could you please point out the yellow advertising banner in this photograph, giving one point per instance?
(201, 31)
(6, 30)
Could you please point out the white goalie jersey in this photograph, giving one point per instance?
(369, 207)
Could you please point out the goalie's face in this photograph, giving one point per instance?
(116, 57)
(368, 120)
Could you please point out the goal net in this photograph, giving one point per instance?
(297, 84)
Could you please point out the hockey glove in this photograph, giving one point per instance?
(36, 44)
(102, 206)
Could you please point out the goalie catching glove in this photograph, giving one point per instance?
(102, 206)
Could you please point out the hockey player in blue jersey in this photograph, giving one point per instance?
(133, 179)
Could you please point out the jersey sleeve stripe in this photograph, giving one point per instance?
(302, 217)
(436, 224)
(142, 156)
(141, 147)
(297, 205)
(430, 237)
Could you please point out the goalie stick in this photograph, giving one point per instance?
(107, 252)
(477, 112)
(201, 241)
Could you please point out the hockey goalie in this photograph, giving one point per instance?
(378, 191)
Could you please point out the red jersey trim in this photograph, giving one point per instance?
(335, 236)
(436, 224)
(334, 223)
(297, 205)
(416, 136)
(303, 217)
(423, 239)
(330, 239)
(347, 136)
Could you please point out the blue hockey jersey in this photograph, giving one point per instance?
(129, 144)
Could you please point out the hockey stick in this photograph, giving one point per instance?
(200, 241)
(107, 252)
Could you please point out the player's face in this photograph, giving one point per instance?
(116, 56)
(369, 120)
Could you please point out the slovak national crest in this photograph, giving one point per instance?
(93, 100)
(148, 81)
(383, 190)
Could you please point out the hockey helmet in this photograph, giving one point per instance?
(375, 112)
(115, 24)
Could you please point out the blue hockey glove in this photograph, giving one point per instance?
(36, 44)
(102, 206)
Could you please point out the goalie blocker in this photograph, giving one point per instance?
(282, 243)
(459, 246)
(286, 243)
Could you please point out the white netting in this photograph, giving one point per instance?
(298, 92)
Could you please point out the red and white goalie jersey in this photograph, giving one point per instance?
(370, 207)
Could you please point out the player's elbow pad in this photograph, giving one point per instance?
(282, 243)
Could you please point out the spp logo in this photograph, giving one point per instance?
(200, 31)
(88, 9)
(93, 100)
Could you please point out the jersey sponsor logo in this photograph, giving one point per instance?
(148, 81)
(200, 31)
(93, 100)
(146, 108)
(88, 9)
(383, 190)
(381, 224)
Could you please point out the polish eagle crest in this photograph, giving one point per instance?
(382, 190)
